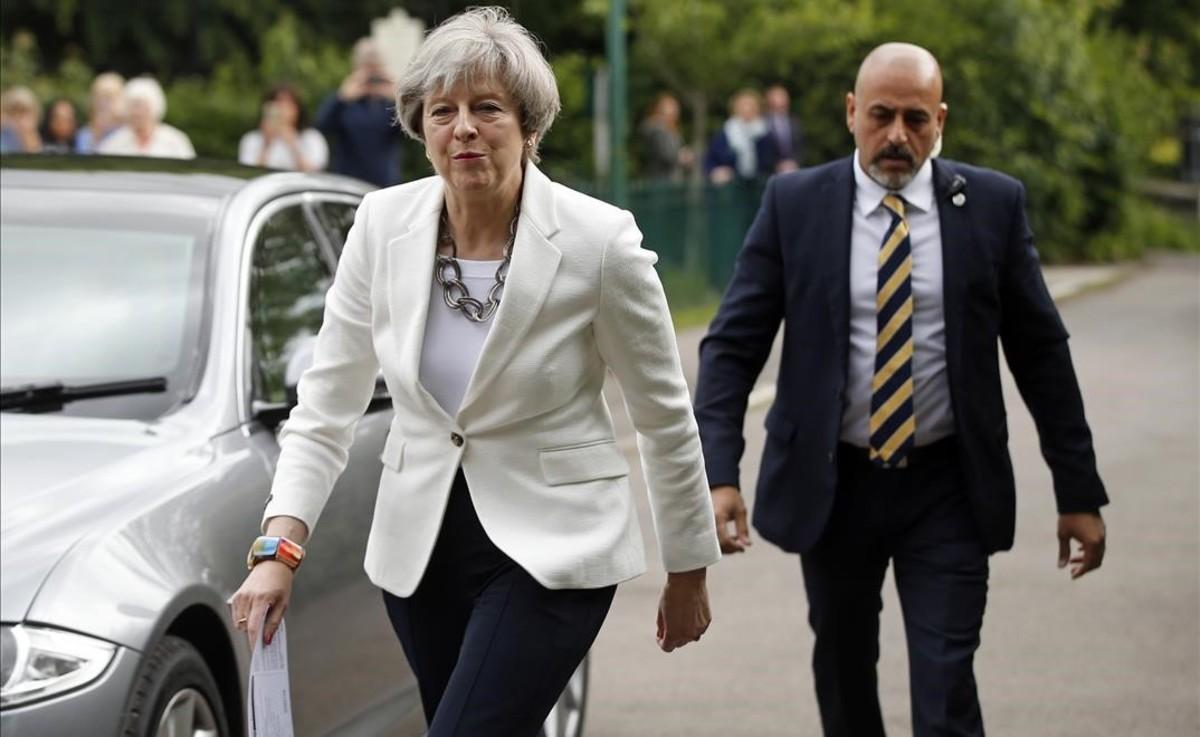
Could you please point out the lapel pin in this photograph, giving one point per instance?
(958, 190)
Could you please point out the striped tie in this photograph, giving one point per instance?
(893, 425)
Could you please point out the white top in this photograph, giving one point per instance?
(452, 341)
(931, 401)
(167, 142)
(279, 154)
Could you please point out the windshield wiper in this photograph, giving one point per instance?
(52, 395)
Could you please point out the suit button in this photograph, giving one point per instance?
(831, 456)
(456, 439)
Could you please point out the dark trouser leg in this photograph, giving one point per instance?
(491, 648)
(431, 632)
(941, 576)
(522, 644)
(843, 576)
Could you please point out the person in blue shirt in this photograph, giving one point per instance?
(359, 121)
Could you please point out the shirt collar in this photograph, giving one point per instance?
(869, 194)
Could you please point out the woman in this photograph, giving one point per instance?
(60, 127)
(283, 139)
(106, 111)
(494, 301)
(145, 134)
(663, 154)
(19, 115)
(742, 149)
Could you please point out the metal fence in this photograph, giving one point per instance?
(695, 228)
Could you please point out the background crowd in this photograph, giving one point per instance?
(125, 118)
(1082, 101)
(762, 135)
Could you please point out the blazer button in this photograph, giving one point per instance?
(456, 439)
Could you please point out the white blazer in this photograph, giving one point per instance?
(537, 446)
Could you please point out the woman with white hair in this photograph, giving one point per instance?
(495, 302)
(144, 133)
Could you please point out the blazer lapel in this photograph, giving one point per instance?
(837, 204)
(534, 263)
(410, 275)
(955, 223)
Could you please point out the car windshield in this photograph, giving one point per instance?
(103, 287)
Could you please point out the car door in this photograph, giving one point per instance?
(348, 670)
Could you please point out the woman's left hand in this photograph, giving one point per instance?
(683, 613)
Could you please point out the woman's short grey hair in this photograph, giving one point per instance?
(481, 44)
(148, 90)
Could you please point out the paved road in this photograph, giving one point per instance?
(1117, 653)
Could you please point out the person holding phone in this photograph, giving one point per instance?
(358, 120)
(283, 139)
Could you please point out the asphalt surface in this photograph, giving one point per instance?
(1116, 653)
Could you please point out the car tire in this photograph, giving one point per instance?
(566, 719)
(174, 683)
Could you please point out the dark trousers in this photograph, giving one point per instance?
(491, 648)
(918, 518)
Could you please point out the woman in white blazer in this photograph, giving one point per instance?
(494, 301)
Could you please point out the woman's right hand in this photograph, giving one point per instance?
(264, 594)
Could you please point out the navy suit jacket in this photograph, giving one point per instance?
(794, 267)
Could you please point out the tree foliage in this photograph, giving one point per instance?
(1054, 93)
(1075, 97)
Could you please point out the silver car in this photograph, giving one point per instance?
(154, 318)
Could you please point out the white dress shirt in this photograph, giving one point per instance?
(931, 402)
(452, 342)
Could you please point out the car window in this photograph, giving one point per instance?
(288, 282)
(115, 292)
(336, 218)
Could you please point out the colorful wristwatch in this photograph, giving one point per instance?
(275, 548)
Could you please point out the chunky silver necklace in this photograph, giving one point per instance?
(449, 275)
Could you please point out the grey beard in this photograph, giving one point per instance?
(894, 182)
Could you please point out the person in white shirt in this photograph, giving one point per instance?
(283, 139)
(145, 134)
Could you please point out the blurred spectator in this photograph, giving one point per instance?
(60, 127)
(145, 134)
(742, 148)
(663, 154)
(283, 139)
(785, 130)
(358, 120)
(106, 111)
(19, 113)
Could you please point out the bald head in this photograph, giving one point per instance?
(914, 63)
(896, 112)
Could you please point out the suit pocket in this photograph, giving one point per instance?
(393, 451)
(574, 464)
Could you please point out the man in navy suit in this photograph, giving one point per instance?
(895, 276)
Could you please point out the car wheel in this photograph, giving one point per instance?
(566, 718)
(175, 695)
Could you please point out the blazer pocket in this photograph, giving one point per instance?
(574, 464)
(393, 451)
